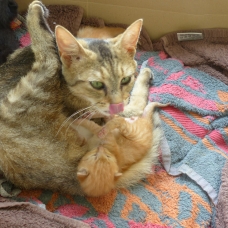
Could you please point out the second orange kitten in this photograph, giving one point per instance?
(99, 33)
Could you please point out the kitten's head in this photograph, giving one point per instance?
(97, 172)
(8, 11)
(99, 72)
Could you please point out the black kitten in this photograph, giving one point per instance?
(8, 41)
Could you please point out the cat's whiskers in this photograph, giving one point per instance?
(84, 113)
(89, 116)
(74, 114)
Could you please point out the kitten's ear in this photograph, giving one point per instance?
(68, 45)
(117, 175)
(81, 174)
(129, 38)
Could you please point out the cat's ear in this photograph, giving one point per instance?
(68, 45)
(117, 175)
(82, 173)
(129, 38)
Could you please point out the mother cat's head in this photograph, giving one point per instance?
(100, 73)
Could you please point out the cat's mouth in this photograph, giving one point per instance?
(100, 112)
(113, 109)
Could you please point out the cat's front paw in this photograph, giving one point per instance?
(146, 71)
(102, 133)
(148, 75)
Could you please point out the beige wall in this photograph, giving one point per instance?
(160, 16)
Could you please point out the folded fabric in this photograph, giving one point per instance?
(209, 54)
(69, 16)
(195, 124)
(23, 214)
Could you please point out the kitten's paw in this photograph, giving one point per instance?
(102, 133)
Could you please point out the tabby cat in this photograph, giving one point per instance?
(42, 85)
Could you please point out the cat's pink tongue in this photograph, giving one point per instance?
(116, 108)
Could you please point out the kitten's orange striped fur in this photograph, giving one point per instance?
(125, 142)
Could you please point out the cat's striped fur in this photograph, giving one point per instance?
(39, 90)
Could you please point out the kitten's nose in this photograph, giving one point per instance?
(116, 108)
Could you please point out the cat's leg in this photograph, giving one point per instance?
(43, 75)
(34, 99)
(139, 94)
(42, 38)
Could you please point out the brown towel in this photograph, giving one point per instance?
(69, 16)
(22, 214)
(209, 54)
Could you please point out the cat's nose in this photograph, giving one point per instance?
(116, 108)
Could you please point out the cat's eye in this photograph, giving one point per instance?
(125, 80)
(97, 85)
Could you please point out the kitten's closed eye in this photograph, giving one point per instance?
(94, 155)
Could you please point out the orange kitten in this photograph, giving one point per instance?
(118, 145)
(99, 33)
